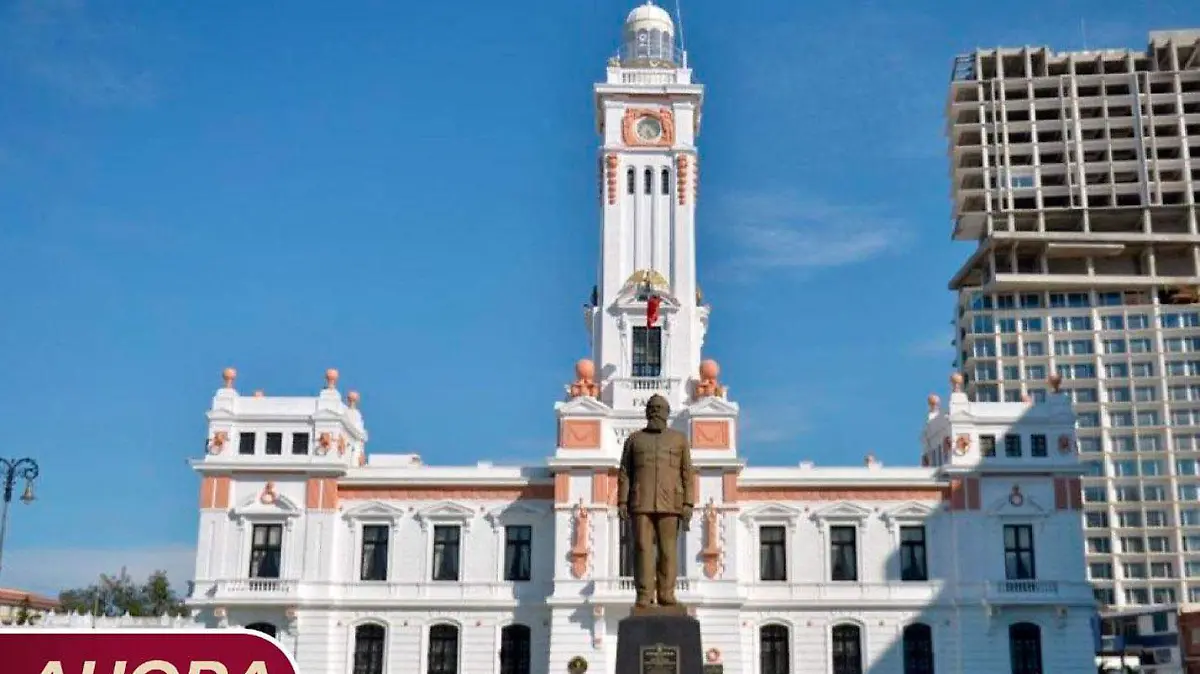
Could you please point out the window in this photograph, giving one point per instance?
(772, 553)
(647, 352)
(626, 548)
(649, 187)
(265, 628)
(1012, 446)
(843, 554)
(1025, 648)
(1037, 445)
(666, 181)
(443, 649)
(518, 557)
(514, 650)
(847, 650)
(987, 445)
(445, 552)
(774, 651)
(1018, 552)
(300, 443)
(630, 181)
(266, 550)
(368, 649)
(245, 443)
(374, 552)
(912, 554)
(274, 444)
(918, 649)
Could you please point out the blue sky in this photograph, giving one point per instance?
(407, 192)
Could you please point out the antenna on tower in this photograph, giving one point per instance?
(679, 19)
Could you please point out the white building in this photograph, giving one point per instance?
(1076, 176)
(362, 563)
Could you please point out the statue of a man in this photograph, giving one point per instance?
(656, 487)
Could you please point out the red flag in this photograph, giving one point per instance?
(652, 303)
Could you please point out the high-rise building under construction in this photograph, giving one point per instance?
(1077, 174)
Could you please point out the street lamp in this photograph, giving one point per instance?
(10, 471)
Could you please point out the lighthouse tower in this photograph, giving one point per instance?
(646, 318)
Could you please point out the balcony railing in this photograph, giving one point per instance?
(257, 586)
(648, 383)
(1025, 587)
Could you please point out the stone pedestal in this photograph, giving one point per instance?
(662, 641)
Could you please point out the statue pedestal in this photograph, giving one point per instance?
(656, 640)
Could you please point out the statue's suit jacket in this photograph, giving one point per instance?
(656, 473)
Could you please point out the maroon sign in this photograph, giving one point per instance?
(136, 651)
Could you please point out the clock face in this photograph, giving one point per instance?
(649, 129)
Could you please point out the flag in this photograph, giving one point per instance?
(652, 303)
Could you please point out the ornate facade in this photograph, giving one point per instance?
(971, 562)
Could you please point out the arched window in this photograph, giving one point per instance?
(666, 181)
(649, 187)
(774, 651)
(514, 650)
(443, 650)
(368, 649)
(918, 649)
(1025, 648)
(847, 649)
(631, 180)
(266, 628)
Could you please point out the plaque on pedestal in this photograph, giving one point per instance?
(659, 643)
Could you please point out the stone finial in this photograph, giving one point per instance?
(352, 399)
(1055, 382)
(259, 393)
(708, 385)
(870, 461)
(229, 375)
(956, 382)
(585, 380)
(331, 378)
(933, 401)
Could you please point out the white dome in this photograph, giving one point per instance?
(649, 16)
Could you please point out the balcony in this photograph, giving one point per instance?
(623, 589)
(429, 592)
(260, 589)
(847, 594)
(999, 592)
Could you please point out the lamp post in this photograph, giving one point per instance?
(10, 470)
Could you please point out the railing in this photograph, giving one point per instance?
(85, 621)
(647, 383)
(1025, 587)
(651, 51)
(847, 592)
(271, 586)
(640, 76)
(630, 585)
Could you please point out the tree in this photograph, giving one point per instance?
(25, 614)
(118, 595)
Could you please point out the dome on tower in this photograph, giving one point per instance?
(648, 16)
(648, 39)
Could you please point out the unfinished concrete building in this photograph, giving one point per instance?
(1077, 175)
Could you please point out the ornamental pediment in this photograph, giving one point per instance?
(770, 511)
(268, 504)
(515, 511)
(912, 510)
(445, 511)
(374, 509)
(712, 406)
(582, 406)
(1016, 504)
(843, 510)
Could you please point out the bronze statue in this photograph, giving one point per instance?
(656, 487)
